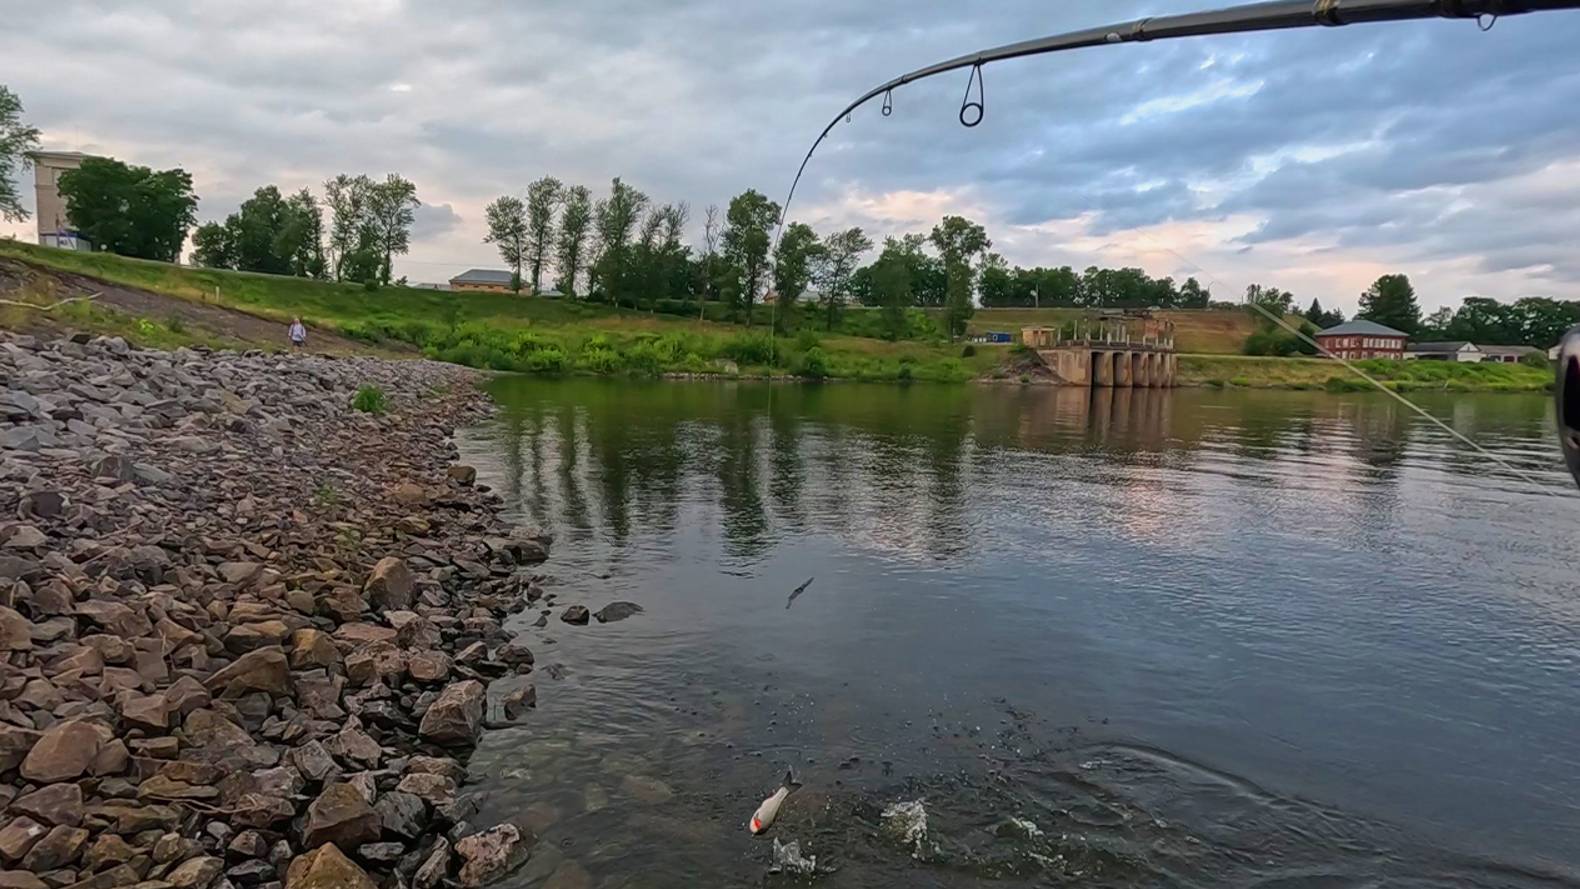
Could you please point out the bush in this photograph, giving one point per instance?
(369, 400)
(174, 324)
(1533, 359)
(969, 351)
(548, 360)
(813, 365)
(750, 348)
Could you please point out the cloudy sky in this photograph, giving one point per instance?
(1311, 160)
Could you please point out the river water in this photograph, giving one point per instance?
(1184, 639)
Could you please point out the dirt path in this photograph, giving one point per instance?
(241, 328)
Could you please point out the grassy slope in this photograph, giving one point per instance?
(1316, 373)
(500, 330)
(1209, 331)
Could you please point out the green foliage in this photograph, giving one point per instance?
(959, 241)
(833, 268)
(537, 246)
(16, 140)
(506, 218)
(969, 351)
(813, 365)
(1270, 300)
(174, 324)
(614, 220)
(748, 221)
(1536, 359)
(1391, 301)
(571, 244)
(369, 399)
(793, 259)
(129, 210)
(271, 234)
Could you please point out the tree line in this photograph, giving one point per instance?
(369, 224)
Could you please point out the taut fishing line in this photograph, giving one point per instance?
(1269, 16)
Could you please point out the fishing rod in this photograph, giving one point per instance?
(1279, 15)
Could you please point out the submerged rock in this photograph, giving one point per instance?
(789, 860)
(616, 611)
(905, 824)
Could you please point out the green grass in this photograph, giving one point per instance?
(370, 400)
(1316, 373)
(507, 332)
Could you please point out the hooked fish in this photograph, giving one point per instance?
(764, 817)
(798, 591)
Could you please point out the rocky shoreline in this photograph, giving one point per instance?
(248, 634)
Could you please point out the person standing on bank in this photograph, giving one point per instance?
(297, 333)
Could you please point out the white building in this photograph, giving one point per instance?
(54, 230)
(1461, 352)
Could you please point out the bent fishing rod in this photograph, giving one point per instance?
(1279, 15)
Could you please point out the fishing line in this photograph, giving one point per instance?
(1524, 474)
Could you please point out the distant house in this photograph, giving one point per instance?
(54, 229)
(1509, 354)
(426, 285)
(483, 280)
(1363, 339)
(1457, 351)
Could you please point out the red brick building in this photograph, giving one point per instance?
(1363, 339)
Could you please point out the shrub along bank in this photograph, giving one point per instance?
(1225, 371)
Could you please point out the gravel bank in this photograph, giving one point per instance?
(247, 633)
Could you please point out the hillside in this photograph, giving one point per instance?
(1204, 331)
(164, 305)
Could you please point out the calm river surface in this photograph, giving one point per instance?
(1195, 638)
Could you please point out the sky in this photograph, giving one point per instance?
(1311, 160)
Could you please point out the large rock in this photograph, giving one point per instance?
(265, 670)
(14, 745)
(54, 804)
(341, 815)
(492, 854)
(457, 716)
(58, 848)
(313, 648)
(576, 614)
(64, 752)
(615, 611)
(196, 873)
(326, 868)
(16, 631)
(389, 585)
(18, 836)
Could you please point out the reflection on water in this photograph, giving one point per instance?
(1195, 638)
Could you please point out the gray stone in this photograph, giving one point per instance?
(456, 717)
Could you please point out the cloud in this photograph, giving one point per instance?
(1305, 159)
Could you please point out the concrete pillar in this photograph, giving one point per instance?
(1160, 370)
(1141, 370)
(1174, 369)
(1124, 375)
(1103, 369)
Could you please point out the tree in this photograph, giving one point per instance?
(130, 210)
(1193, 296)
(999, 287)
(1391, 302)
(793, 259)
(1435, 326)
(16, 140)
(347, 198)
(709, 271)
(508, 229)
(1322, 319)
(542, 196)
(747, 223)
(958, 241)
(213, 246)
(1270, 299)
(1544, 321)
(833, 267)
(301, 236)
(614, 218)
(392, 208)
(571, 247)
(891, 285)
(268, 233)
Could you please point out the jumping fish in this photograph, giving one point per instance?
(764, 817)
(798, 591)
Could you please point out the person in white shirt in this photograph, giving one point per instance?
(298, 333)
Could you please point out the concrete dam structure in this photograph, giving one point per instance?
(1125, 353)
